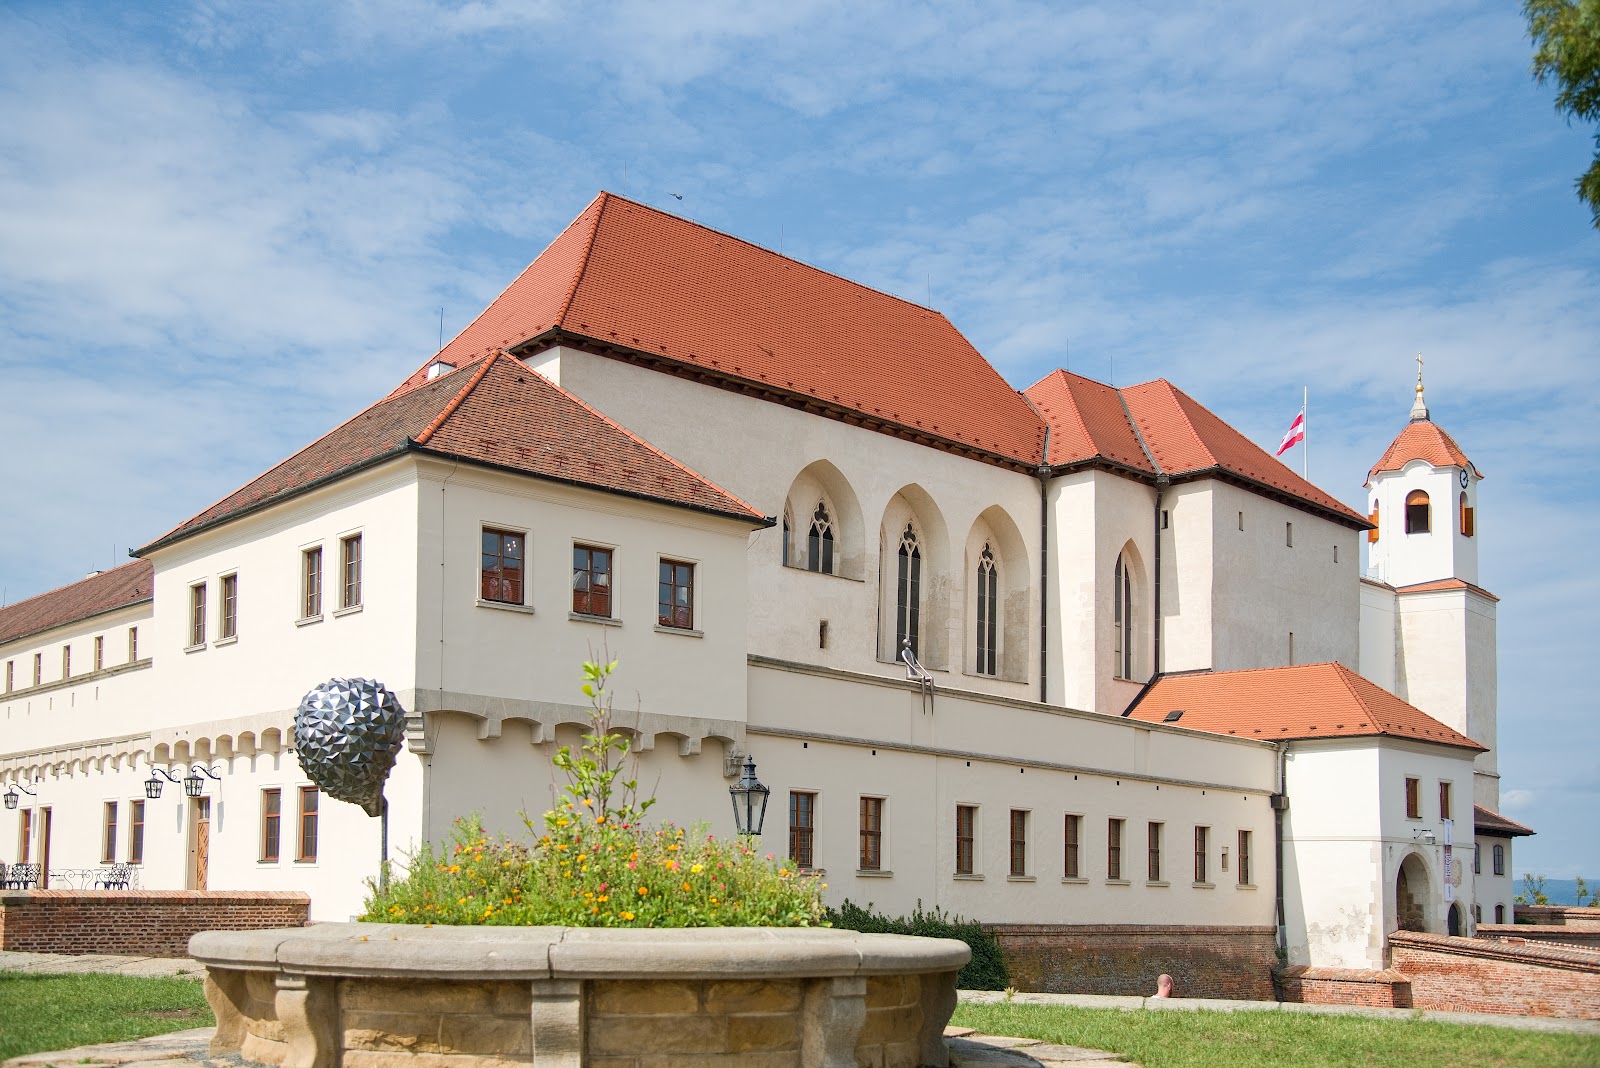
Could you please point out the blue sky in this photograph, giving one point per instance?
(225, 228)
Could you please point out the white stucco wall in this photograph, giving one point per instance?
(1402, 559)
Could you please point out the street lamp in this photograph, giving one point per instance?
(12, 798)
(193, 784)
(152, 785)
(749, 800)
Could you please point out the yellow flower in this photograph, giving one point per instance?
(604, 897)
(672, 847)
(626, 915)
(697, 869)
(454, 868)
(589, 801)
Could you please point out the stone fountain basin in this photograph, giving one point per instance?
(372, 995)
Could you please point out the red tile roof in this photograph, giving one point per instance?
(1304, 701)
(1156, 427)
(646, 283)
(494, 411)
(1422, 439)
(120, 587)
(1488, 821)
(1445, 584)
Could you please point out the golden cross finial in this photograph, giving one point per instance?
(1419, 372)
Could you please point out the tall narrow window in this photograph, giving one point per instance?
(136, 832)
(819, 542)
(1019, 842)
(197, 614)
(1499, 854)
(802, 828)
(502, 566)
(230, 607)
(1499, 914)
(25, 836)
(108, 843)
(38, 668)
(908, 591)
(271, 823)
(133, 644)
(1244, 858)
(1372, 535)
(591, 581)
(311, 583)
(1444, 800)
(11, 675)
(1477, 859)
(350, 570)
(1413, 799)
(1466, 516)
(675, 595)
(1201, 841)
(988, 601)
(99, 651)
(1113, 849)
(66, 661)
(1155, 853)
(1419, 519)
(1122, 619)
(308, 823)
(871, 834)
(1070, 868)
(966, 835)
(788, 533)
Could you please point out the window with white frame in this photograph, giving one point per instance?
(1019, 842)
(871, 853)
(229, 624)
(197, 615)
(311, 583)
(350, 571)
(966, 839)
(503, 566)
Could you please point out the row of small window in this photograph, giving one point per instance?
(1414, 799)
(98, 660)
(503, 570)
(1419, 516)
(802, 843)
(271, 828)
(311, 588)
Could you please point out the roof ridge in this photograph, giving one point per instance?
(1138, 435)
(674, 461)
(75, 582)
(455, 402)
(605, 199)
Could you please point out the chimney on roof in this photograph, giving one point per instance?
(440, 367)
(92, 574)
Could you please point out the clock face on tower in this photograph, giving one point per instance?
(1463, 478)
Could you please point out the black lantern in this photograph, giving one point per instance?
(13, 798)
(193, 784)
(749, 800)
(152, 785)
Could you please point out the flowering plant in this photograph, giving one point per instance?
(596, 862)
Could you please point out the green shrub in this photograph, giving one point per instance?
(986, 970)
(597, 863)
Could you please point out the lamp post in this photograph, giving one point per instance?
(749, 800)
(12, 798)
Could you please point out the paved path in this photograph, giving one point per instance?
(56, 963)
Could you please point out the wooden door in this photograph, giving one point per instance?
(45, 815)
(200, 851)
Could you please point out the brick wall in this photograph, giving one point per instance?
(146, 923)
(1204, 962)
(1559, 916)
(1541, 933)
(1478, 975)
(1386, 989)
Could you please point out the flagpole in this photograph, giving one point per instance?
(1305, 446)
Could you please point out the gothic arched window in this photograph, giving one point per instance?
(1418, 513)
(788, 532)
(908, 591)
(819, 542)
(988, 585)
(1122, 620)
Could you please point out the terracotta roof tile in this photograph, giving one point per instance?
(638, 279)
(493, 411)
(1445, 584)
(1305, 701)
(1422, 439)
(1488, 821)
(118, 588)
(1087, 421)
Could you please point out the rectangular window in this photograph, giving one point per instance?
(1444, 800)
(503, 553)
(1019, 841)
(99, 651)
(675, 595)
(133, 644)
(1074, 833)
(1477, 859)
(871, 834)
(135, 832)
(1413, 799)
(1201, 834)
(230, 607)
(11, 675)
(25, 836)
(1288, 535)
(591, 581)
(38, 668)
(1113, 849)
(66, 661)
(308, 823)
(108, 844)
(802, 828)
(350, 569)
(1155, 853)
(1499, 861)
(966, 827)
(271, 823)
(1244, 858)
(197, 615)
(311, 583)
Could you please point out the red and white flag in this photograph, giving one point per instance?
(1296, 434)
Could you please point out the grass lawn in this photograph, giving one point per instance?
(1170, 1039)
(41, 1013)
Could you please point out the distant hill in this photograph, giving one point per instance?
(1561, 891)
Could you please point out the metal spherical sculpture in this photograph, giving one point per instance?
(347, 733)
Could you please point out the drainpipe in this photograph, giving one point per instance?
(1280, 805)
(1044, 577)
(1162, 482)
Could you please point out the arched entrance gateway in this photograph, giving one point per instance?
(1453, 925)
(1410, 894)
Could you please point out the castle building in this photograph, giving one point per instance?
(1079, 661)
